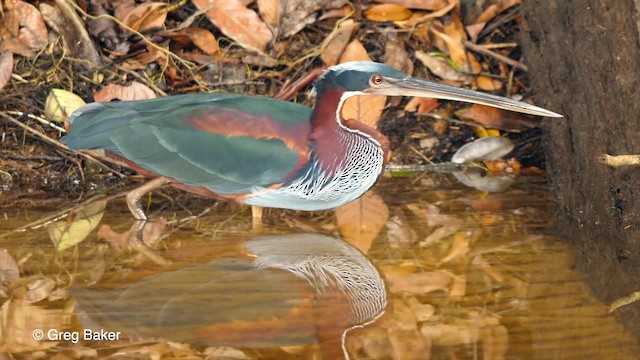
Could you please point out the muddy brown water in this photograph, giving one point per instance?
(422, 268)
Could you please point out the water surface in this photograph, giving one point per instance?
(420, 268)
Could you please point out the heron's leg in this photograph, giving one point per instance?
(135, 236)
(256, 211)
(256, 219)
(134, 196)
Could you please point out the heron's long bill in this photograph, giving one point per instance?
(410, 86)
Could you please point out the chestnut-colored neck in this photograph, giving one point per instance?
(324, 125)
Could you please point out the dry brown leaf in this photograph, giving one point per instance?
(395, 53)
(441, 68)
(497, 118)
(8, 267)
(388, 12)
(419, 4)
(360, 221)
(291, 16)
(135, 91)
(237, 22)
(62, 18)
(335, 45)
(146, 16)
(6, 68)
(422, 105)
(418, 18)
(122, 8)
(271, 11)
(366, 109)
(495, 9)
(488, 83)
(336, 13)
(202, 38)
(33, 33)
(22, 29)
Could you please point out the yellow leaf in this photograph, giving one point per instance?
(64, 234)
(60, 104)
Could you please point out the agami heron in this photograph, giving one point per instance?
(258, 150)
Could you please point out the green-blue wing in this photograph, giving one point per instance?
(160, 136)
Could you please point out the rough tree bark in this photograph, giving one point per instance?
(584, 59)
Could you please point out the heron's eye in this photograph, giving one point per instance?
(377, 79)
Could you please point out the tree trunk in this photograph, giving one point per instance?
(584, 58)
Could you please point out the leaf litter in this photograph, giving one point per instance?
(124, 50)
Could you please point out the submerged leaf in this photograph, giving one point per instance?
(8, 267)
(360, 221)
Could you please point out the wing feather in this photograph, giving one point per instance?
(184, 137)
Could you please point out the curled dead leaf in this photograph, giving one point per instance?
(419, 4)
(334, 46)
(135, 91)
(146, 16)
(388, 12)
(33, 32)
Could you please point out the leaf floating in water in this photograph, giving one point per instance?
(65, 234)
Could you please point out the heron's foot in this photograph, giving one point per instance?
(134, 196)
(135, 241)
(625, 300)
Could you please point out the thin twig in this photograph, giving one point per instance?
(57, 143)
(481, 50)
(38, 119)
